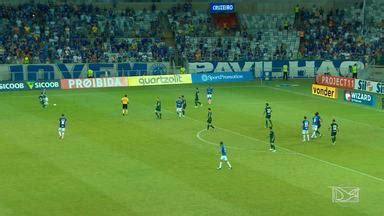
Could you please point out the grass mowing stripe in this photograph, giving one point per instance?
(198, 136)
(304, 155)
(160, 167)
(298, 153)
(86, 91)
(314, 158)
(362, 123)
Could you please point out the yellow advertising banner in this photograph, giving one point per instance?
(325, 91)
(160, 80)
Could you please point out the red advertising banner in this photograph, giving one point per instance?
(335, 81)
(94, 83)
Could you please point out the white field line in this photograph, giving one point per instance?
(50, 95)
(313, 158)
(350, 120)
(198, 136)
(300, 154)
(292, 151)
(84, 92)
(336, 101)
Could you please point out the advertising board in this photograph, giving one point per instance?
(160, 80)
(221, 8)
(335, 81)
(49, 84)
(324, 91)
(12, 86)
(221, 77)
(369, 86)
(359, 98)
(94, 83)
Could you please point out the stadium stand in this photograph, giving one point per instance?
(274, 33)
(340, 33)
(38, 33)
(50, 33)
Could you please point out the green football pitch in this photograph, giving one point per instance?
(137, 165)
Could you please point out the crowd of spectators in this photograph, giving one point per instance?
(46, 33)
(185, 21)
(220, 48)
(331, 35)
(198, 39)
(50, 33)
(139, 50)
(186, 25)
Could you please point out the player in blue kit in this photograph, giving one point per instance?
(305, 127)
(62, 123)
(209, 94)
(315, 125)
(268, 113)
(223, 157)
(179, 107)
(318, 124)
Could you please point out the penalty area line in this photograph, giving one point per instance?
(198, 136)
(297, 153)
(313, 158)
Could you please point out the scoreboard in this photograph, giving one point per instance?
(222, 8)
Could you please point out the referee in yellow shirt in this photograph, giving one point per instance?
(125, 102)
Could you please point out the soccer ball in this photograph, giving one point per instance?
(54, 104)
